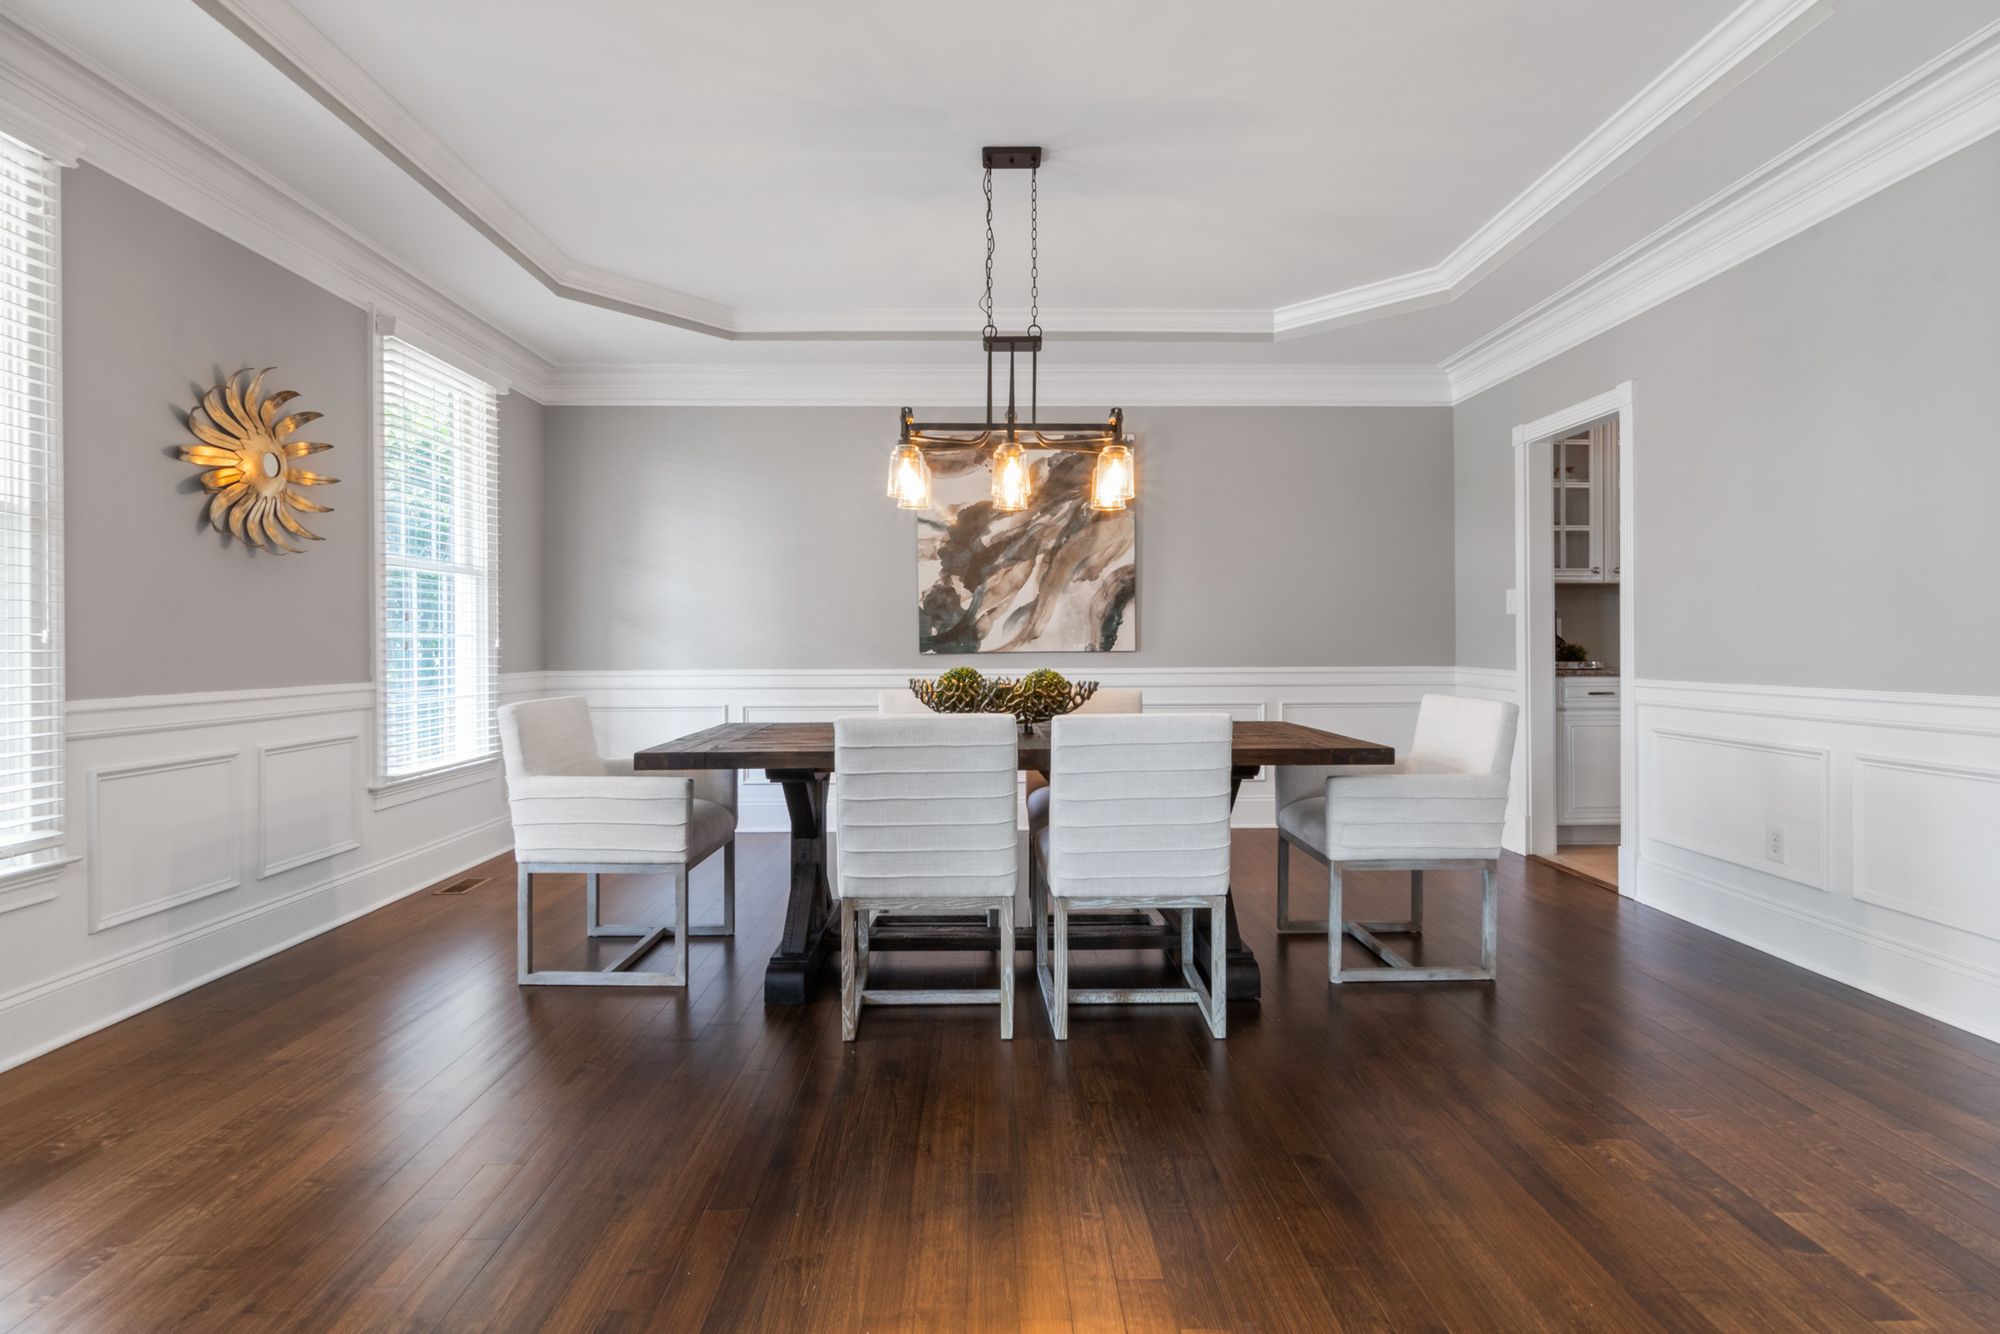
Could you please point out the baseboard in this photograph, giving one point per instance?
(38, 1018)
(1929, 982)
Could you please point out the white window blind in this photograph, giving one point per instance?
(31, 664)
(440, 525)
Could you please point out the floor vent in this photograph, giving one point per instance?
(460, 886)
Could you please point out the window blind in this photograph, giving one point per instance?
(31, 664)
(439, 644)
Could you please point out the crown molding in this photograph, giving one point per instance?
(1945, 105)
(1750, 36)
(1098, 387)
(74, 110)
(1754, 32)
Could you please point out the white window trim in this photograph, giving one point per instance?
(44, 857)
(387, 791)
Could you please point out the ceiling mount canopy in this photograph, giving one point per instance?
(1009, 438)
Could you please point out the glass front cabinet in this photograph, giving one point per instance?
(1586, 506)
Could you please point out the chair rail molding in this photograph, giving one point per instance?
(1905, 900)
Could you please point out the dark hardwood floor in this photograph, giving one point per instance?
(1642, 1126)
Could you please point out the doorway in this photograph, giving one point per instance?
(1574, 637)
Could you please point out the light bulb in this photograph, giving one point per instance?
(1013, 482)
(909, 478)
(1111, 482)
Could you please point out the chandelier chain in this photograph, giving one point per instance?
(1034, 251)
(986, 303)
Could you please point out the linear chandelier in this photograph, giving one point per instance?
(1112, 480)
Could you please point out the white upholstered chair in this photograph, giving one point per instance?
(1139, 820)
(1440, 806)
(925, 824)
(1101, 701)
(574, 811)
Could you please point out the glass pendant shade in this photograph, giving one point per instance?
(1111, 482)
(909, 478)
(1013, 482)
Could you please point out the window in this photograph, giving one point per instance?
(440, 530)
(31, 664)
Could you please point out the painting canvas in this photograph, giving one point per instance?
(1057, 577)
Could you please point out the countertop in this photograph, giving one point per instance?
(1586, 671)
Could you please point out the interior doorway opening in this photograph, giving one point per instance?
(1574, 638)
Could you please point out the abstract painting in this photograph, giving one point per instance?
(1057, 577)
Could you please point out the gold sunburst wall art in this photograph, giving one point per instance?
(252, 461)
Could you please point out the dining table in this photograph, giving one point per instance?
(799, 757)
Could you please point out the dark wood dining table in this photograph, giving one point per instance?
(800, 758)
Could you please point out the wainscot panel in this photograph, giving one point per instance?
(208, 831)
(1850, 832)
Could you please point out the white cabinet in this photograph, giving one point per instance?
(1586, 506)
(1587, 751)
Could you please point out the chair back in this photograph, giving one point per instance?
(543, 737)
(1139, 805)
(926, 806)
(1457, 734)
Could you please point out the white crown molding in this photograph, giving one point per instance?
(75, 111)
(1754, 32)
(1751, 35)
(1097, 386)
(1945, 105)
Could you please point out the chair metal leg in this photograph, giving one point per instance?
(1005, 913)
(620, 971)
(1304, 926)
(1218, 971)
(524, 935)
(1058, 1002)
(1334, 933)
(1400, 969)
(850, 988)
(1489, 919)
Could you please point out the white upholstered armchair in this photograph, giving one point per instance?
(575, 812)
(1442, 805)
(1139, 819)
(925, 824)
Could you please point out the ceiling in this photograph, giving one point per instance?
(1323, 181)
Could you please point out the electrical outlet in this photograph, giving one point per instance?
(1774, 842)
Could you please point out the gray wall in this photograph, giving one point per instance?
(760, 538)
(156, 308)
(1817, 456)
(521, 424)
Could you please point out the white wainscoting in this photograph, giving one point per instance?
(638, 709)
(1888, 807)
(211, 830)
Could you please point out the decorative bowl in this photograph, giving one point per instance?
(1032, 701)
(1037, 702)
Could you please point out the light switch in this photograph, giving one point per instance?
(1513, 602)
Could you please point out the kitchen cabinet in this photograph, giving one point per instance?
(1587, 778)
(1586, 506)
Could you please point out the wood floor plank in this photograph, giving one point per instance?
(1641, 1126)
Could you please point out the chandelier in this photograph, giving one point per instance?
(1010, 439)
